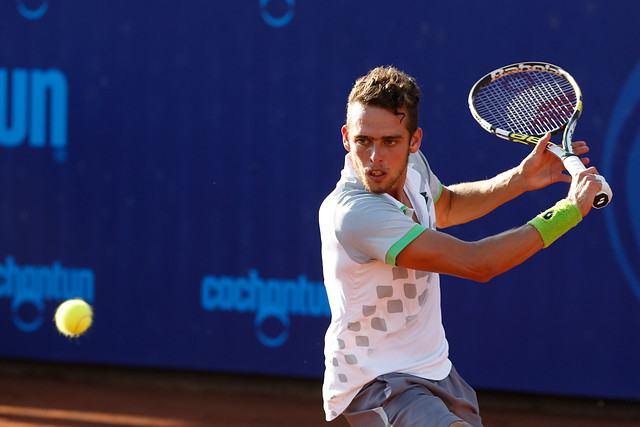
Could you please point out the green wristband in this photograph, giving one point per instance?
(556, 221)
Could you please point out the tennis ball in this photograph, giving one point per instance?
(73, 317)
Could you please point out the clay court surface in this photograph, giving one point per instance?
(38, 394)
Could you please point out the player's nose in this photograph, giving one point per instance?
(376, 154)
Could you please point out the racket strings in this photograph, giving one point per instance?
(527, 102)
(557, 103)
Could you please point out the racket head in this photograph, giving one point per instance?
(522, 102)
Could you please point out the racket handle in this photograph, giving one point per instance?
(604, 196)
(575, 166)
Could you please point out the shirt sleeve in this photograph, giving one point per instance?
(370, 227)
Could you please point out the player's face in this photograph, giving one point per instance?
(379, 144)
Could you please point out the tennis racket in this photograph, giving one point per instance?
(524, 101)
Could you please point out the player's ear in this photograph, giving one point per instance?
(345, 138)
(416, 140)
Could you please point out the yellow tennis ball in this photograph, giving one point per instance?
(73, 317)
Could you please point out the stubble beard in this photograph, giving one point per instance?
(384, 186)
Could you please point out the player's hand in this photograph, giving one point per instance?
(583, 189)
(541, 168)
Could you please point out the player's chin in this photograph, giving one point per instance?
(376, 188)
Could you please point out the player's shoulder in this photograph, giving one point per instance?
(356, 200)
(347, 190)
(355, 209)
(349, 208)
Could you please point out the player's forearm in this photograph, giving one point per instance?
(479, 261)
(472, 200)
(484, 259)
(504, 251)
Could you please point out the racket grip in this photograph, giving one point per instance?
(605, 195)
(573, 164)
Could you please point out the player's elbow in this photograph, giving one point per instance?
(481, 268)
(482, 273)
(486, 276)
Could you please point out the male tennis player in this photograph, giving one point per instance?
(386, 353)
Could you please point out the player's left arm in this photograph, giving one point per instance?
(461, 203)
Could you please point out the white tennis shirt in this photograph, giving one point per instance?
(384, 318)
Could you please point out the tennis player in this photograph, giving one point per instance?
(386, 354)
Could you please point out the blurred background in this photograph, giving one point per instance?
(166, 160)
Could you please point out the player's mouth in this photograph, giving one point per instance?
(376, 174)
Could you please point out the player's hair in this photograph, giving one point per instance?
(391, 89)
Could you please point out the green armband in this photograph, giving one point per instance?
(556, 221)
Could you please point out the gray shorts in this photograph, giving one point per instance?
(401, 400)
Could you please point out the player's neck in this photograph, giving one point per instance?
(397, 190)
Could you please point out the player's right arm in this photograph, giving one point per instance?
(461, 203)
(486, 258)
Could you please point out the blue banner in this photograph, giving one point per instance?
(165, 161)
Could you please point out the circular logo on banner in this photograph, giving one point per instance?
(24, 318)
(277, 18)
(622, 171)
(35, 9)
(268, 331)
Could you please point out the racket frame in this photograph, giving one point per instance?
(565, 152)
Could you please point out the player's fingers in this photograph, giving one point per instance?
(585, 185)
(594, 184)
(592, 170)
(584, 176)
(542, 143)
(585, 160)
(580, 147)
(563, 177)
